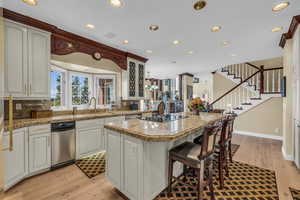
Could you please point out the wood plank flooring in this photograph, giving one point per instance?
(70, 183)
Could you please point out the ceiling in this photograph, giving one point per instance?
(245, 24)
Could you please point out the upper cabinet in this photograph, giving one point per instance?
(27, 57)
(134, 80)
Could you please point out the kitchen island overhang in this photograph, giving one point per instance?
(137, 152)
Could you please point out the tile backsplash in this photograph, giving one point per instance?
(23, 108)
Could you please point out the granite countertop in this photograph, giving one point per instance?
(21, 123)
(166, 131)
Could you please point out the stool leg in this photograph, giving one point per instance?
(226, 161)
(184, 172)
(170, 176)
(220, 160)
(211, 183)
(200, 174)
(230, 151)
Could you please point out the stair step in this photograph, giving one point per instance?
(238, 108)
(257, 98)
(246, 104)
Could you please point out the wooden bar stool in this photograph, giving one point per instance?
(223, 148)
(197, 157)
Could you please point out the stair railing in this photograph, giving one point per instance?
(263, 81)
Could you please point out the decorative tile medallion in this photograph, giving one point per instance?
(92, 165)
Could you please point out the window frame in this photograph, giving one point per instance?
(107, 76)
(64, 87)
(90, 85)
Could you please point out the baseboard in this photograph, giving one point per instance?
(261, 135)
(286, 156)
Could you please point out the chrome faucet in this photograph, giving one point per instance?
(95, 103)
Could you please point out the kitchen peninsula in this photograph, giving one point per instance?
(137, 151)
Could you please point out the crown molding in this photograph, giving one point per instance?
(63, 42)
(290, 34)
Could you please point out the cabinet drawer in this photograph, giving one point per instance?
(93, 123)
(39, 129)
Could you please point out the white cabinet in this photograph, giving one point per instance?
(88, 137)
(16, 161)
(113, 151)
(27, 58)
(104, 134)
(133, 80)
(16, 60)
(39, 148)
(125, 163)
(38, 63)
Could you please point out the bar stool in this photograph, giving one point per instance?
(197, 157)
(223, 148)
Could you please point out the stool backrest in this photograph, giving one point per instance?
(227, 129)
(209, 141)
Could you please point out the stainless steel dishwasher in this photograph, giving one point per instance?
(63, 144)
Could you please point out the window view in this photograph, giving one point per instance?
(57, 90)
(80, 90)
(105, 90)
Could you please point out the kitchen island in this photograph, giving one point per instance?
(137, 152)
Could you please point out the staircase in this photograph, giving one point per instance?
(254, 85)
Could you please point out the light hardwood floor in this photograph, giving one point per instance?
(70, 183)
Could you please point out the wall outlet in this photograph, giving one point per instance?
(18, 106)
(276, 130)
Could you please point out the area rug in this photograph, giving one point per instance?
(295, 193)
(92, 165)
(245, 182)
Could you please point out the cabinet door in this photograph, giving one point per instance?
(141, 80)
(132, 79)
(39, 152)
(132, 166)
(38, 67)
(113, 151)
(16, 161)
(15, 60)
(87, 142)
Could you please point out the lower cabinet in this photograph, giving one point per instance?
(39, 148)
(16, 161)
(124, 163)
(88, 137)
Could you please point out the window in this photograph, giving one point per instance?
(105, 89)
(80, 90)
(57, 88)
(74, 89)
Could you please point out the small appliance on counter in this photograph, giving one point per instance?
(63, 144)
(134, 106)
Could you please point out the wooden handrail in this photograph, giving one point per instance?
(252, 65)
(275, 68)
(234, 88)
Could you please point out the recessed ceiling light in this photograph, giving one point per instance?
(176, 42)
(125, 41)
(280, 6)
(216, 28)
(30, 2)
(199, 5)
(277, 29)
(90, 26)
(190, 52)
(225, 43)
(149, 51)
(154, 28)
(116, 3)
(173, 62)
(233, 55)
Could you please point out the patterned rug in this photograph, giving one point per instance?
(245, 182)
(295, 194)
(92, 165)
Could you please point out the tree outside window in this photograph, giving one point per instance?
(80, 90)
